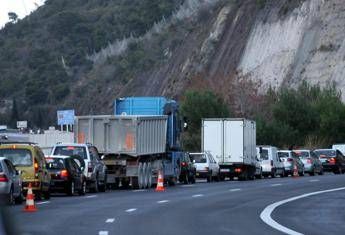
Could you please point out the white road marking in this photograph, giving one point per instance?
(103, 233)
(235, 189)
(40, 203)
(314, 180)
(139, 190)
(110, 220)
(188, 185)
(266, 213)
(198, 195)
(163, 201)
(91, 196)
(131, 210)
(275, 185)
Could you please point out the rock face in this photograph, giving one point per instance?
(307, 44)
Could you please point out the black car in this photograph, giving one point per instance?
(332, 160)
(188, 170)
(66, 175)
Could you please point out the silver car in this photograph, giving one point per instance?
(10, 182)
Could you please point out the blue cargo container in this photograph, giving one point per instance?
(153, 106)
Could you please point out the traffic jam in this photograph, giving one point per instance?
(138, 147)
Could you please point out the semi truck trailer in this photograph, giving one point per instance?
(139, 140)
(232, 142)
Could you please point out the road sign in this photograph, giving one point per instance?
(3, 127)
(22, 124)
(65, 117)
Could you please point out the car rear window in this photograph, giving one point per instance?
(55, 163)
(283, 154)
(199, 158)
(70, 151)
(302, 154)
(18, 157)
(325, 153)
(264, 154)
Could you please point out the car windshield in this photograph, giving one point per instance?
(199, 158)
(325, 153)
(18, 157)
(302, 154)
(70, 151)
(283, 154)
(55, 163)
(264, 154)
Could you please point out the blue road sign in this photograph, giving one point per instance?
(65, 117)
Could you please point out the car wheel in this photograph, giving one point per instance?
(321, 172)
(274, 174)
(282, 174)
(47, 194)
(103, 186)
(11, 199)
(82, 191)
(302, 173)
(71, 189)
(209, 177)
(185, 179)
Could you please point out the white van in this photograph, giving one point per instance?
(270, 162)
(206, 166)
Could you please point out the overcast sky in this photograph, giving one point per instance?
(20, 7)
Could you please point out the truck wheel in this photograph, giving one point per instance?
(149, 175)
(141, 176)
(185, 179)
(135, 183)
(274, 174)
(145, 177)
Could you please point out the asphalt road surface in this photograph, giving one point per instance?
(229, 207)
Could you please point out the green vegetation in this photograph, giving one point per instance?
(195, 106)
(308, 116)
(44, 56)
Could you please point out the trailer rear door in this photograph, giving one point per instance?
(233, 141)
(212, 140)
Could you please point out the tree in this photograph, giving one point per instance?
(195, 106)
(13, 17)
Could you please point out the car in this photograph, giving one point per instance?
(311, 162)
(10, 182)
(95, 169)
(29, 159)
(206, 166)
(290, 159)
(66, 175)
(332, 160)
(271, 165)
(188, 170)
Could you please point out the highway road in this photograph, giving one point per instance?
(229, 207)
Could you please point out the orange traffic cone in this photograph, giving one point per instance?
(160, 183)
(30, 201)
(295, 171)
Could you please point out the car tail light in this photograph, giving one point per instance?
(3, 178)
(271, 162)
(64, 173)
(332, 160)
(183, 164)
(238, 170)
(309, 160)
(290, 160)
(89, 167)
(36, 166)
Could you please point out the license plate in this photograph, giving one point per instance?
(224, 170)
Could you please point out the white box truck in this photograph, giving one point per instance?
(232, 142)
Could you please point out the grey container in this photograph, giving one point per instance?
(130, 135)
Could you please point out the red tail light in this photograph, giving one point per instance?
(290, 160)
(238, 170)
(332, 160)
(271, 162)
(64, 173)
(183, 164)
(36, 166)
(3, 178)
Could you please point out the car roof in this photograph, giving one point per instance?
(325, 149)
(71, 144)
(285, 151)
(302, 150)
(197, 153)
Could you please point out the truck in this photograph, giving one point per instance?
(232, 142)
(141, 139)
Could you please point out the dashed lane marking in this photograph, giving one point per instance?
(40, 203)
(266, 213)
(188, 185)
(139, 190)
(275, 185)
(198, 195)
(110, 220)
(235, 189)
(163, 201)
(91, 196)
(314, 180)
(103, 233)
(131, 210)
